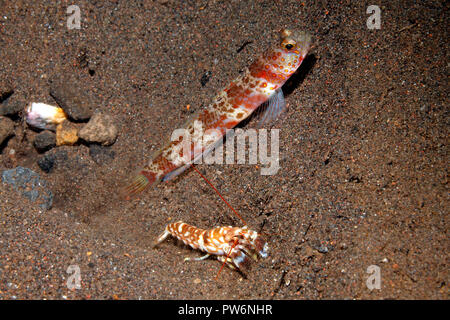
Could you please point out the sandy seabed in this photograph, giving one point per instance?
(363, 177)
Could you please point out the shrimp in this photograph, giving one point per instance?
(259, 84)
(232, 245)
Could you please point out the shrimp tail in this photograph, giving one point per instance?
(138, 183)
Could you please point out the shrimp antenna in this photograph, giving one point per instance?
(243, 221)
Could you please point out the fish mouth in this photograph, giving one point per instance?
(303, 40)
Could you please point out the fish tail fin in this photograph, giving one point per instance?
(138, 183)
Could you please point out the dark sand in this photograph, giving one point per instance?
(363, 151)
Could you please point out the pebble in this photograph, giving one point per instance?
(6, 128)
(323, 249)
(44, 141)
(100, 129)
(51, 159)
(66, 134)
(46, 163)
(70, 97)
(30, 185)
(205, 78)
(12, 102)
(10, 108)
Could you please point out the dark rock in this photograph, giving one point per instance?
(44, 141)
(6, 128)
(12, 103)
(6, 89)
(46, 163)
(10, 109)
(101, 154)
(30, 185)
(69, 96)
(205, 78)
(51, 159)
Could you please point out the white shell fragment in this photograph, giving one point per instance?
(44, 116)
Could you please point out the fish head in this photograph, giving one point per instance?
(292, 49)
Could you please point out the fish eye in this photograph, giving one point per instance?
(289, 46)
